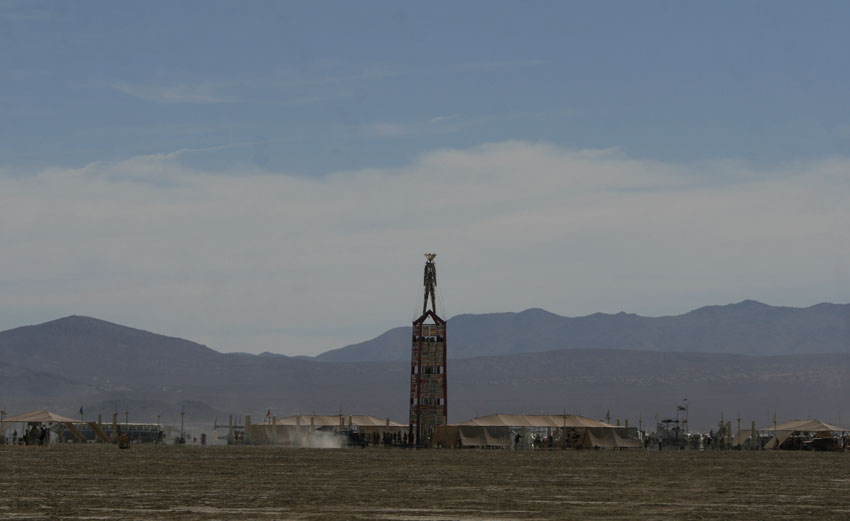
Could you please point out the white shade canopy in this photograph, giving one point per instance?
(805, 426)
(40, 416)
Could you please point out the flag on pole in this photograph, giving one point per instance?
(81, 410)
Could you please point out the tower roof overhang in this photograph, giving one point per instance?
(425, 316)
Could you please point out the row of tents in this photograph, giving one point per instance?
(71, 429)
(520, 431)
(524, 431)
(310, 430)
(497, 431)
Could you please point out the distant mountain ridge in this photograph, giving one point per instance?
(107, 367)
(79, 360)
(748, 327)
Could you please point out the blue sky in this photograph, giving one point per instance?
(197, 142)
(323, 86)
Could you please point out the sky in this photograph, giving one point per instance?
(266, 176)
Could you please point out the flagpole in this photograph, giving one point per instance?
(775, 444)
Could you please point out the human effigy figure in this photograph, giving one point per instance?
(430, 282)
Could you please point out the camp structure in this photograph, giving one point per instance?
(40, 417)
(308, 430)
(137, 432)
(61, 429)
(523, 431)
(37, 427)
(804, 435)
(746, 439)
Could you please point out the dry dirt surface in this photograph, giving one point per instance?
(168, 482)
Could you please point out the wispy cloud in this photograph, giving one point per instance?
(434, 125)
(326, 74)
(368, 74)
(207, 254)
(289, 86)
(490, 66)
(309, 100)
(388, 129)
(442, 124)
(25, 12)
(385, 129)
(24, 73)
(332, 74)
(437, 119)
(199, 93)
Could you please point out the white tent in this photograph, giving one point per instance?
(805, 426)
(783, 431)
(501, 430)
(40, 417)
(296, 429)
(533, 420)
(335, 420)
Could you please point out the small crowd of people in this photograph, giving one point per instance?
(378, 439)
(35, 434)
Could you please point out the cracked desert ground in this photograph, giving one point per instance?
(169, 482)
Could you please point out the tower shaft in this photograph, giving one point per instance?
(428, 389)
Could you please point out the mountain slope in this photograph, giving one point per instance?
(81, 360)
(167, 372)
(93, 350)
(747, 327)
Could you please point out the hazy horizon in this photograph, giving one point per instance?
(267, 176)
(224, 349)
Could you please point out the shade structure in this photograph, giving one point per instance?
(41, 417)
(508, 430)
(302, 430)
(534, 420)
(810, 425)
(596, 437)
(783, 431)
(333, 420)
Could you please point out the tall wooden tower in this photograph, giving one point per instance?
(428, 365)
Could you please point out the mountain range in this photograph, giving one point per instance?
(748, 328)
(747, 358)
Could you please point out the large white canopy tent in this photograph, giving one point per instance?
(295, 430)
(783, 431)
(40, 417)
(500, 430)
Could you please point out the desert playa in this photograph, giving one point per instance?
(171, 482)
